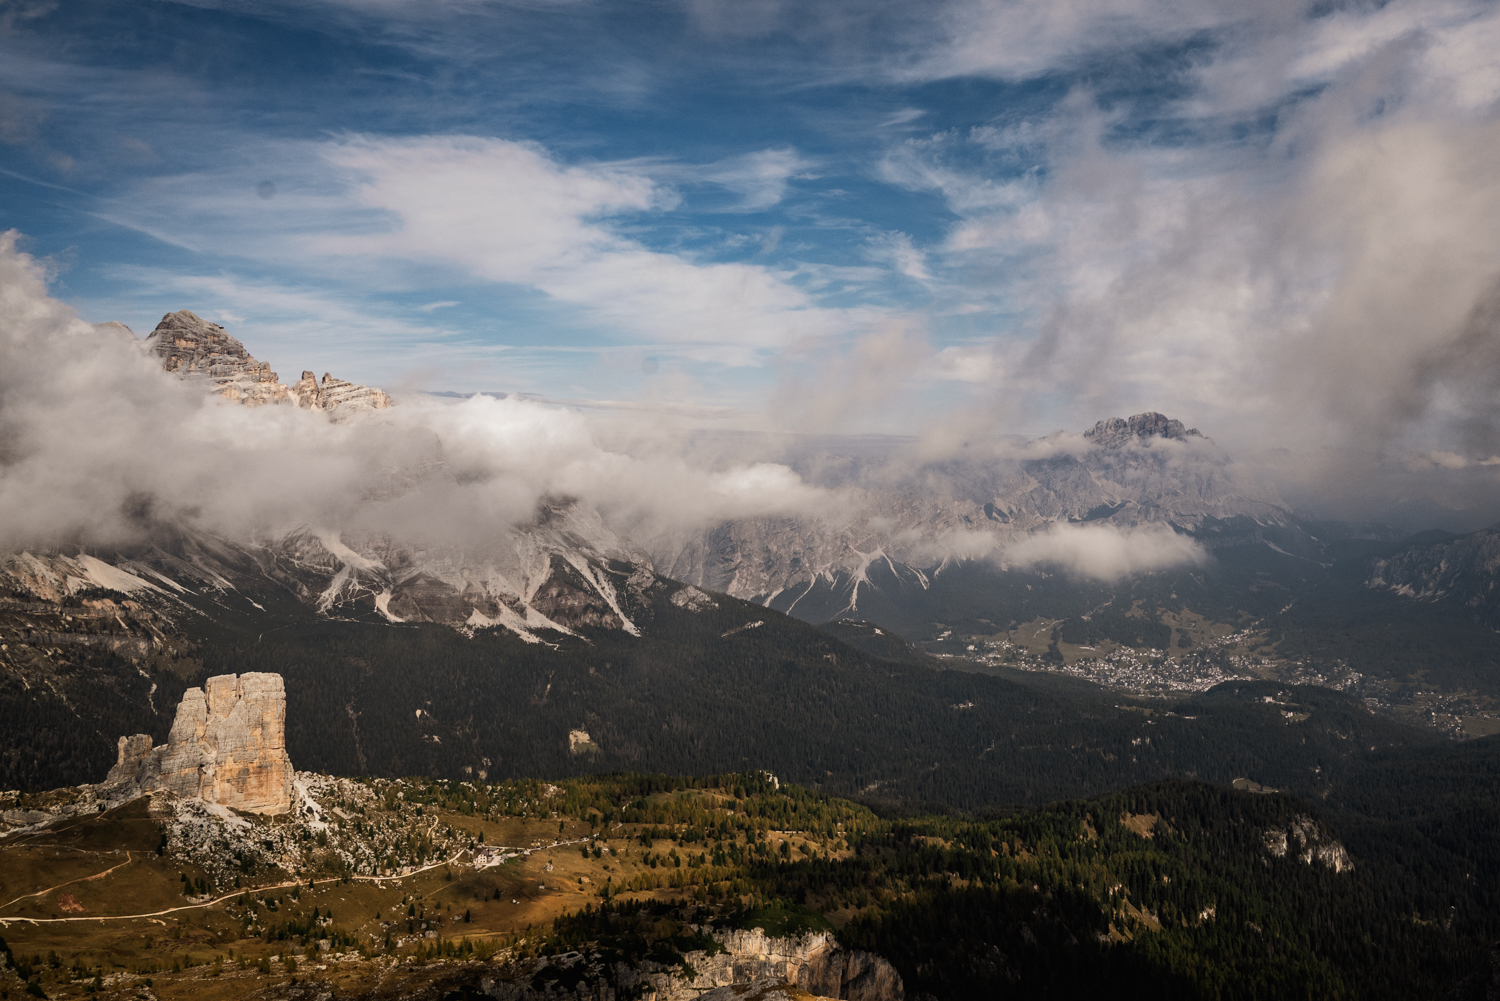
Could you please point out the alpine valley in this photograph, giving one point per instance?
(1090, 711)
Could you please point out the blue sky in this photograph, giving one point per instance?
(949, 217)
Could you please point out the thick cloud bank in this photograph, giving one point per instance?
(1105, 552)
(97, 444)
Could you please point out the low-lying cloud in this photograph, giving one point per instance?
(1105, 552)
(98, 445)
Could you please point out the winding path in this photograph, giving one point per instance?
(6, 922)
(59, 886)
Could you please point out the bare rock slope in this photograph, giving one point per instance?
(1462, 571)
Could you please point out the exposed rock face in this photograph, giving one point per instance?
(755, 967)
(1314, 845)
(336, 394)
(1463, 571)
(566, 572)
(900, 527)
(349, 397)
(813, 962)
(1117, 431)
(693, 600)
(227, 746)
(134, 753)
(191, 346)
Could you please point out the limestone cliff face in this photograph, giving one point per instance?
(813, 962)
(1315, 845)
(191, 346)
(1463, 572)
(753, 965)
(1117, 431)
(337, 395)
(227, 746)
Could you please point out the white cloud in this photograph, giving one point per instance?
(98, 442)
(1017, 39)
(868, 382)
(404, 213)
(507, 212)
(1104, 551)
(1334, 284)
(760, 178)
(896, 249)
(965, 363)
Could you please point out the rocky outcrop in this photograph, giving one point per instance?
(1303, 840)
(813, 962)
(1463, 571)
(753, 965)
(693, 600)
(337, 395)
(227, 746)
(133, 760)
(1117, 431)
(191, 346)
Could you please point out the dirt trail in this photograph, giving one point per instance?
(59, 886)
(203, 903)
(4, 922)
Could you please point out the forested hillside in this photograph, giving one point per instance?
(738, 687)
(1171, 890)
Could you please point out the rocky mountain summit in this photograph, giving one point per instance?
(907, 523)
(1117, 431)
(227, 747)
(569, 568)
(191, 346)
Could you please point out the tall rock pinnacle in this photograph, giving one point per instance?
(227, 746)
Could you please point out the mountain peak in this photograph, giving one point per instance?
(1117, 431)
(190, 345)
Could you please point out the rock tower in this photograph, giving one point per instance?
(227, 746)
(192, 347)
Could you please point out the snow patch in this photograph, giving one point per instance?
(113, 578)
(383, 606)
(347, 556)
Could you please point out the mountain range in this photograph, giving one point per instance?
(1137, 555)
